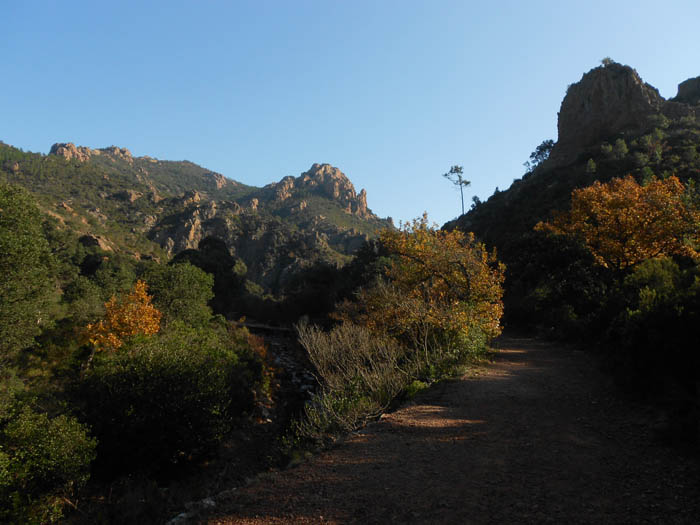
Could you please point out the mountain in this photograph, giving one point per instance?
(150, 208)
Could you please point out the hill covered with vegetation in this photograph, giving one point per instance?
(148, 208)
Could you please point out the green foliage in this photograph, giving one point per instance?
(86, 300)
(213, 257)
(43, 460)
(591, 166)
(161, 400)
(620, 149)
(25, 266)
(181, 292)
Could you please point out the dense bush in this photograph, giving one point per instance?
(165, 398)
(43, 460)
(181, 292)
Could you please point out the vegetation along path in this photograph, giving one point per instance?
(538, 435)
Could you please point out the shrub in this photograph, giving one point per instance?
(360, 373)
(161, 399)
(43, 460)
(181, 292)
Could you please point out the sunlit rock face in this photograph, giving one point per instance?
(69, 151)
(327, 181)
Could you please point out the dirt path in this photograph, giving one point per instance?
(537, 436)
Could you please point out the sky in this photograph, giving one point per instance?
(391, 92)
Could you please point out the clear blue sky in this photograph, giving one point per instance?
(391, 92)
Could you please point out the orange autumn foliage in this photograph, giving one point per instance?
(623, 223)
(132, 314)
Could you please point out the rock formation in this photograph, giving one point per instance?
(613, 99)
(689, 91)
(607, 100)
(327, 181)
(69, 151)
(219, 180)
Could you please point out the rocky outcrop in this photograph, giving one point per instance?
(115, 152)
(327, 181)
(219, 180)
(69, 151)
(607, 100)
(689, 91)
(96, 240)
(191, 197)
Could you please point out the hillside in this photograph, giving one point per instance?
(149, 208)
(611, 123)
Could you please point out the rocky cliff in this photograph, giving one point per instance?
(326, 181)
(611, 100)
(607, 100)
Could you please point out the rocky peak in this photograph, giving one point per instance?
(69, 151)
(607, 100)
(115, 151)
(689, 91)
(329, 182)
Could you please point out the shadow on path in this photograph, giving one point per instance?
(536, 436)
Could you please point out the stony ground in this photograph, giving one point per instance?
(539, 435)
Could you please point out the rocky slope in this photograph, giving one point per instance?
(148, 207)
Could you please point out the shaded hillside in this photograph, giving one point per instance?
(611, 124)
(144, 207)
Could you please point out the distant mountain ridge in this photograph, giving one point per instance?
(148, 207)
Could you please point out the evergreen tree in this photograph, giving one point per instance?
(25, 266)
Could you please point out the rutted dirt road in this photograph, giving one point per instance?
(537, 436)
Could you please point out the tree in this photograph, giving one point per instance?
(540, 154)
(623, 223)
(442, 285)
(127, 316)
(455, 176)
(181, 292)
(25, 267)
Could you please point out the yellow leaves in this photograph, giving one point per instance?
(127, 316)
(623, 223)
(439, 280)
